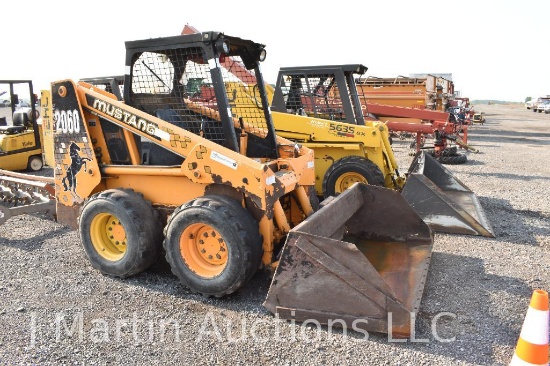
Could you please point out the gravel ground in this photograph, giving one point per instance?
(56, 309)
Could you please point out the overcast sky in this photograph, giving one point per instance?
(494, 49)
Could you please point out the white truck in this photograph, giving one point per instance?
(541, 105)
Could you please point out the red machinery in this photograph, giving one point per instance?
(424, 122)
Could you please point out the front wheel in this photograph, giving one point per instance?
(213, 245)
(345, 172)
(35, 163)
(120, 232)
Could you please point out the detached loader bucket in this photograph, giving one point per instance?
(443, 201)
(361, 262)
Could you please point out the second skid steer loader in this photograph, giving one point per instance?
(170, 168)
(345, 142)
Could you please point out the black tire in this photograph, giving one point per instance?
(449, 151)
(35, 163)
(238, 236)
(453, 159)
(109, 212)
(313, 198)
(351, 164)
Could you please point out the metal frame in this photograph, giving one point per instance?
(343, 74)
(248, 51)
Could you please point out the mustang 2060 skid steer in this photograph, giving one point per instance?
(171, 167)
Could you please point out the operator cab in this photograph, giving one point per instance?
(190, 81)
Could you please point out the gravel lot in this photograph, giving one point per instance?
(56, 309)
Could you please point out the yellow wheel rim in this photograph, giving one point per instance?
(108, 237)
(346, 180)
(204, 250)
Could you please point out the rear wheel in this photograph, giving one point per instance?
(35, 163)
(349, 170)
(120, 232)
(213, 245)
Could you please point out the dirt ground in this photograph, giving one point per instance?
(56, 309)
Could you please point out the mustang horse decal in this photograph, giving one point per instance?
(77, 162)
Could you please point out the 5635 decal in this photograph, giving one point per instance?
(342, 130)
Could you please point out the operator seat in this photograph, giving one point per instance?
(20, 123)
(153, 154)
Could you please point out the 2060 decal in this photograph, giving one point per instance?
(67, 121)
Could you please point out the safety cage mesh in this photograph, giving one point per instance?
(177, 86)
(313, 95)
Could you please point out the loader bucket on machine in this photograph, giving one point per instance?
(361, 262)
(443, 201)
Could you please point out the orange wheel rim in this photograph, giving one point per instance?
(204, 250)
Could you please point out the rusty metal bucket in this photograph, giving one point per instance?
(445, 203)
(361, 260)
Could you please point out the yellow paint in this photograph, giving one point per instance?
(47, 127)
(108, 237)
(329, 139)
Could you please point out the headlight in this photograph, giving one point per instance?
(222, 46)
(263, 54)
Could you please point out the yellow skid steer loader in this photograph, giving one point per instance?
(171, 167)
(337, 130)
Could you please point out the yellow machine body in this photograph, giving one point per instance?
(330, 139)
(20, 128)
(333, 140)
(11, 155)
(47, 127)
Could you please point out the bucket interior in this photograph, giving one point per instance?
(443, 201)
(348, 261)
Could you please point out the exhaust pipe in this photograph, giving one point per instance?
(360, 261)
